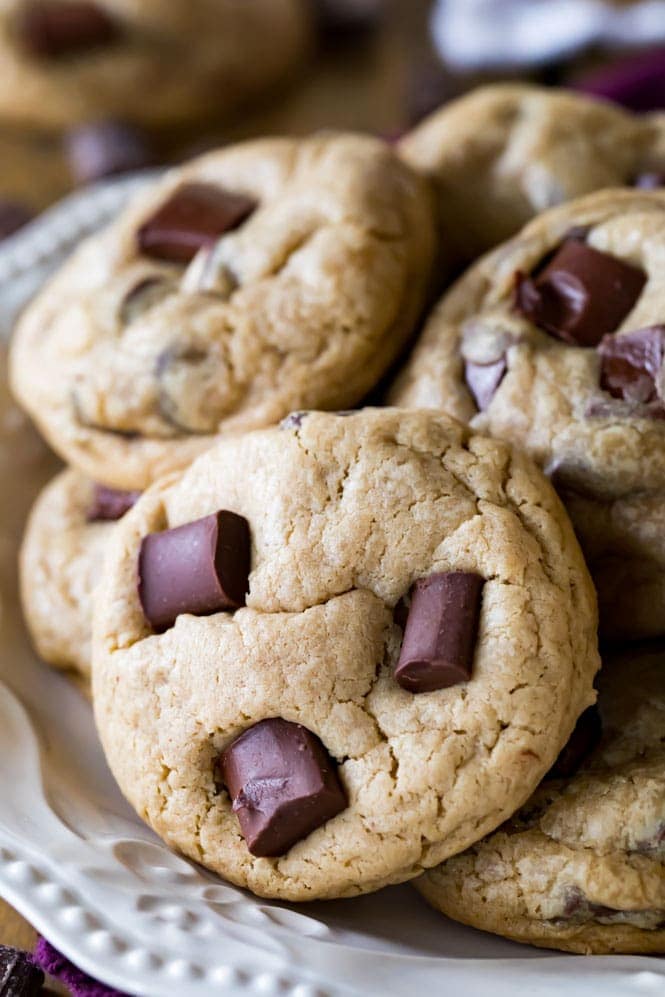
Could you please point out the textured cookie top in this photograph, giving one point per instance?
(61, 562)
(506, 152)
(553, 342)
(345, 513)
(582, 865)
(131, 360)
(154, 61)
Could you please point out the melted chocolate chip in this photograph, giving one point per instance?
(483, 380)
(199, 568)
(283, 784)
(440, 633)
(105, 149)
(580, 295)
(585, 737)
(51, 28)
(110, 504)
(195, 216)
(19, 976)
(13, 216)
(630, 364)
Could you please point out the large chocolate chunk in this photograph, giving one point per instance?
(51, 28)
(195, 216)
(106, 148)
(13, 216)
(585, 737)
(483, 380)
(199, 568)
(581, 295)
(283, 785)
(19, 976)
(110, 504)
(440, 632)
(630, 364)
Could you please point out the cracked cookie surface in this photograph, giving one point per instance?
(131, 365)
(582, 866)
(345, 513)
(606, 454)
(61, 561)
(506, 152)
(152, 61)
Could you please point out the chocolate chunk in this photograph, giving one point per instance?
(581, 294)
(649, 181)
(440, 633)
(50, 28)
(110, 504)
(585, 737)
(195, 216)
(13, 216)
(483, 380)
(283, 784)
(199, 568)
(144, 295)
(19, 976)
(106, 148)
(630, 364)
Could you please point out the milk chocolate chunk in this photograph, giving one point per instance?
(581, 294)
(483, 380)
(194, 217)
(53, 28)
(110, 504)
(440, 633)
(283, 784)
(199, 568)
(585, 737)
(19, 976)
(630, 364)
(106, 148)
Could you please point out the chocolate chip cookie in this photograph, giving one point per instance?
(554, 342)
(334, 652)
(273, 275)
(506, 152)
(152, 61)
(61, 562)
(581, 866)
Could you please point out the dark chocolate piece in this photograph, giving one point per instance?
(195, 216)
(630, 364)
(110, 504)
(483, 380)
(52, 28)
(581, 294)
(199, 568)
(649, 181)
(105, 149)
(19, 976)
(440, 633)
(13, 216)
(283, 784)
(585, 737)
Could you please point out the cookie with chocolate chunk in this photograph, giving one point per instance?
(581, 866)
(555, 342)
(334, 652)
(156, 62)
(274, 275)
(61, 562)
(506, 152)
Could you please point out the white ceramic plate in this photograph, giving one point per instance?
(77, 862)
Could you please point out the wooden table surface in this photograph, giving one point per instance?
(361, 88)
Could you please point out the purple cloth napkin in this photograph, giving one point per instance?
(80, 984)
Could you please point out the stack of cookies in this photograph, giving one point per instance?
(335, 647)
